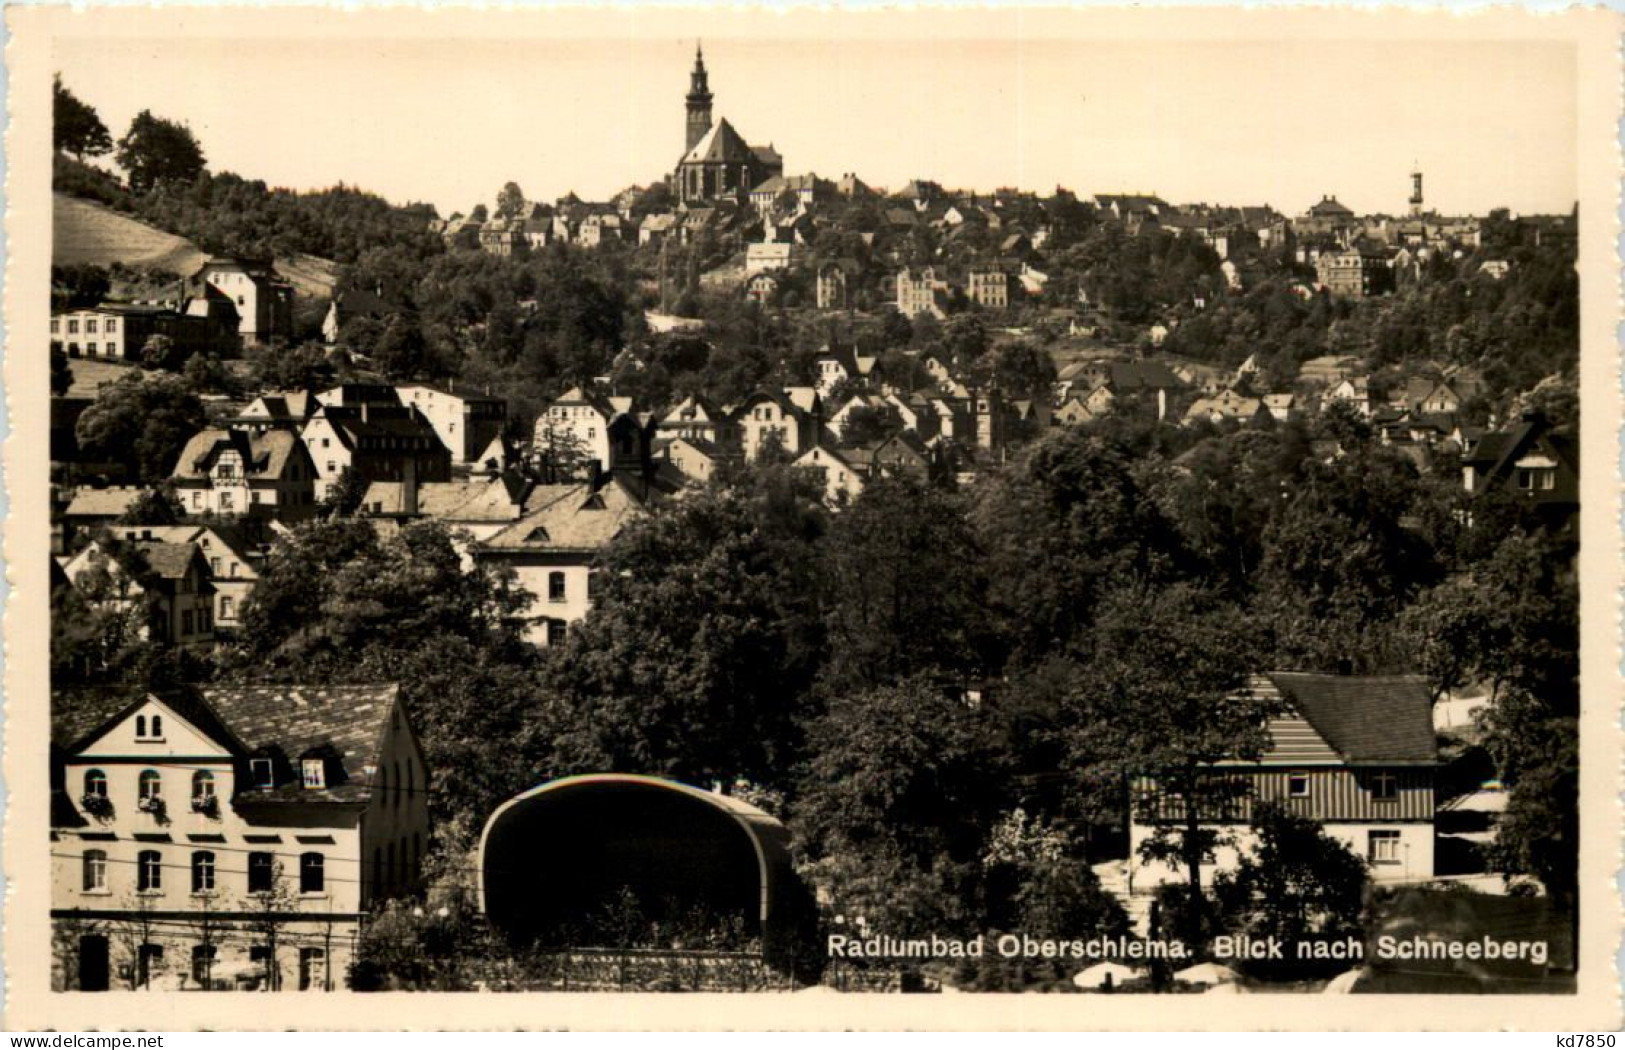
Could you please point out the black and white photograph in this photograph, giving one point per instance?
(827, 507)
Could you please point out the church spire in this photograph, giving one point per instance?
(699, 101)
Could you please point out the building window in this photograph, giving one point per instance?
(312, 968)
(262, 771)
(261, 872)
(313, 773)
(186, 622)
(1383, 847)
(73, 327)
(225, 501)
(1384, 787)
(1297, 785)
(149, 872)
(555, 586)
(227, 612)
(555, 632)
(202, 785)
(312, 873)
(214, 566)
(398, 791)
(203, 959)
(95, 783)
(151, 785)
(112, 326)
(95, 870)
(203, 872)
(90, 326)
(197, 501)
(149, 960)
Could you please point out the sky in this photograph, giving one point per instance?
(1249, 119)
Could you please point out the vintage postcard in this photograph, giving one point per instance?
(810, 518)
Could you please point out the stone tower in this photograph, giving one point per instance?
(1416, 191)
(699, 101)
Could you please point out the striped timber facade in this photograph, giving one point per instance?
(1377, 798)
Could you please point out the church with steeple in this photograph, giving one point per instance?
(717, 163)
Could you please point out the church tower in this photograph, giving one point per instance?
(699, 101)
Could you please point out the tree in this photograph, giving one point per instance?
(699, 653)
(1024, 370)
(155, 506)
(400, 352)
(61, 372)
(869, 424)
(1538, 756)
(344, 494)
(903, 593)
(142, 422)
(559, 453)
(1060, 526)
(303, 367)
(1297, 884)
(158, 352)
(75, 127)
(511, 201)
(902, 783)
(156, 151)
(265, 911)
(1159, 700)
(206, 375)
(479, 213)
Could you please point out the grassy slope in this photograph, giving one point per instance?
(88, 233)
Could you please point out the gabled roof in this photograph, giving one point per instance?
(79, 716)
(1142, 375)
(1496, 453)
(1366, 719)
(369, 427)
(455, 501)
(722, 144)
(575, 518)
(263, 455)
(102, 503)
(296, 719)
(692, 409)
(1330, 207)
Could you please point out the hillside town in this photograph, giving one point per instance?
(1005, 562)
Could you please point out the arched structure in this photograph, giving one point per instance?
(554, 857)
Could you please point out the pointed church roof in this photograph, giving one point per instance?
(721, 144)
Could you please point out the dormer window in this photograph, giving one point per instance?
(315, 773)
(262, 772)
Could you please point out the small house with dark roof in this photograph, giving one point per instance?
(233, 472)
(1356, 754)
(1530, 460)
(306, 801)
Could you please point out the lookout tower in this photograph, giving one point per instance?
(1416, 188)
